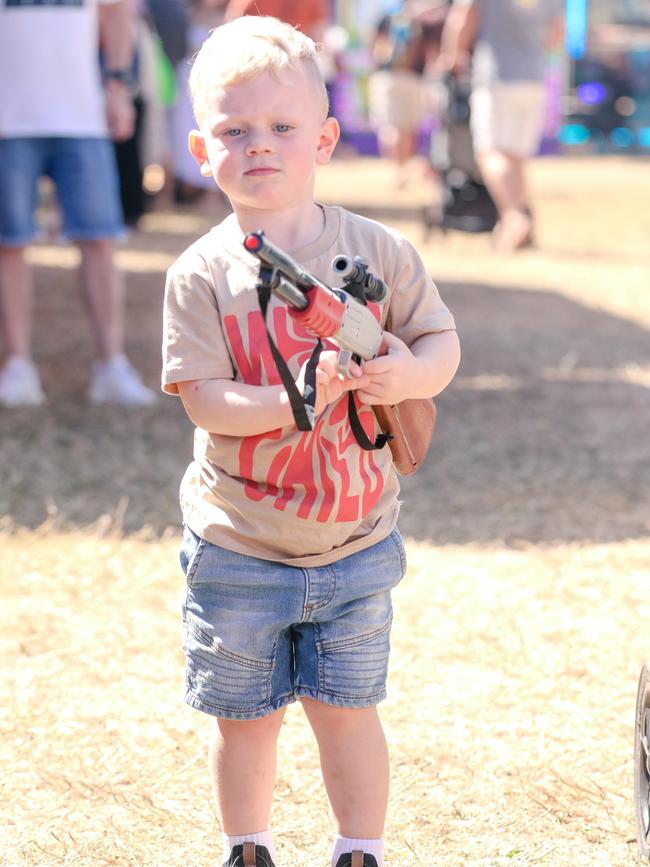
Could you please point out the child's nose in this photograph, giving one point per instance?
(259, 143)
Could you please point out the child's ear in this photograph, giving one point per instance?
(329, 136)
(196, 144)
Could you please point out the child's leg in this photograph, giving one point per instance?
(355, 767)
(242, 766)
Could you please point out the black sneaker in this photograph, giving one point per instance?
(356, 859)
(250, 855)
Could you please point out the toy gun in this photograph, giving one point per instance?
(341, 315)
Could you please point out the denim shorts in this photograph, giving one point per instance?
(87, 184)
(257, 635)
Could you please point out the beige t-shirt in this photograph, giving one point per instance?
(303, 498)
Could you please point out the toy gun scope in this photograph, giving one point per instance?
(357, 272)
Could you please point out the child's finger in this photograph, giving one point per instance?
(378, 365)
(355, 383)
(324, 377)
(369, 398)
(327, 364)
(355, 369)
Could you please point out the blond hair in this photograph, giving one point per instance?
(246, 47)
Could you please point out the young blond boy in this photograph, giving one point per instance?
(290, 548)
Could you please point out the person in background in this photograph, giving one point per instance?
(309, 16)
(402, 48)
(189, 185)
(160, 40)
(57, 119)
(505, 43)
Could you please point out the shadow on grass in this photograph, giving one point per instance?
(541, 438)
(541, 435)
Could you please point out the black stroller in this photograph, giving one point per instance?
(465, 204)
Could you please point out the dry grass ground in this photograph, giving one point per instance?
(520, 629)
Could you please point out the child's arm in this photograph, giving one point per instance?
(223, 406)
(422, 370)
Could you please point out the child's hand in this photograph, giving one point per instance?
(330, 383)
(389, 374)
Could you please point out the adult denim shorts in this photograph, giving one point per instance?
(257, 635)
(87, 184)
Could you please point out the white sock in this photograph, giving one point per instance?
(262, 838)
(349, 844)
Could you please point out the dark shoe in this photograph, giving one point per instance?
(250, 855)
(356, 859)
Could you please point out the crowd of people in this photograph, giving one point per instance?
(126, 81)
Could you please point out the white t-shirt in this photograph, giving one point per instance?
(50, 82)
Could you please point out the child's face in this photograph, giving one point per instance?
(262, 138)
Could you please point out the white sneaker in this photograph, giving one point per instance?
(115, 381)
(20, 384)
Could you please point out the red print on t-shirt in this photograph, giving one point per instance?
(319, 475)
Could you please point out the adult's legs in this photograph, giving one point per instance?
(102, 286)
(397, 146)
(103, 289)
(503, 175)
(16, 301)
(20, 383)
(113, 378)
(21, 164)
(355, 766)
(242, 764)
(507, 121)
(396, 103)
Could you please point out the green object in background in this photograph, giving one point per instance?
(165, 76)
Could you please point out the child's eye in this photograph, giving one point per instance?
(234, 132)
(283, 127)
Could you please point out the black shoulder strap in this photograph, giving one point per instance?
(359, 433)
(302, 405)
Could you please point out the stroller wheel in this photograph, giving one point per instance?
(642, 763)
